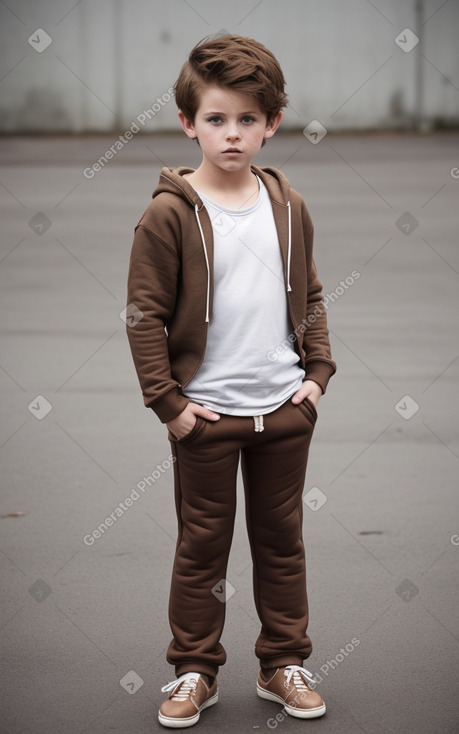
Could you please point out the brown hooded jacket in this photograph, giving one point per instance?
(171, 283)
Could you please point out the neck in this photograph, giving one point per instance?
(215, 178)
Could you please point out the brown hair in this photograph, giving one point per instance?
(231, 61)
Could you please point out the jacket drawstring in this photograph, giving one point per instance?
(289, 251)
(196, 211)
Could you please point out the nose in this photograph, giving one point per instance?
(232, 132)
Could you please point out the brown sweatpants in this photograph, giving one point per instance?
(273, 468)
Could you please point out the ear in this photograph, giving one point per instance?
(187, 126)
(272, 126)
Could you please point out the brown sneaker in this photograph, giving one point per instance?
(290, 686)
(189, 696)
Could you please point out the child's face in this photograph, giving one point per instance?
(230, 127)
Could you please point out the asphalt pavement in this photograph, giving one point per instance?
(84, 626)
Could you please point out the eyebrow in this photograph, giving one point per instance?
(249, 112)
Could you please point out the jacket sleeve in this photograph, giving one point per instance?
(151, 296)
(319, 363)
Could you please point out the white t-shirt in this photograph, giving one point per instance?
(249, 316)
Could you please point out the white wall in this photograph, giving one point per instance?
(110, 59)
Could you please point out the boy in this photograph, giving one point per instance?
(232, 353)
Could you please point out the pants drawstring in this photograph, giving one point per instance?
(258, 420)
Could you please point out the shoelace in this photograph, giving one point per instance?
(301, 677)
(187, 683)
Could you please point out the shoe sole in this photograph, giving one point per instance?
(298, 713)
(175, 723)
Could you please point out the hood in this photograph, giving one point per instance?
(172, 181)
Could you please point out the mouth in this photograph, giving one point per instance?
(232, 150)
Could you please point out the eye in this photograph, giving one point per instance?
(247, 119)
(215, 120)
